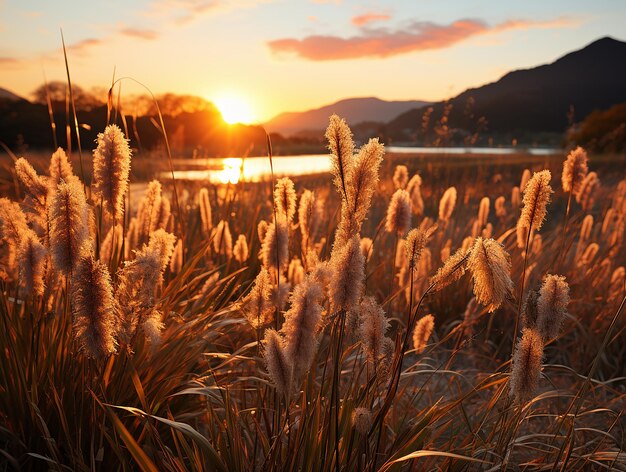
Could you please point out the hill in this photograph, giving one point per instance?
(8, 95)
(353, 110)
(536, 100)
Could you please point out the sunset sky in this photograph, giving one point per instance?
(286, 55)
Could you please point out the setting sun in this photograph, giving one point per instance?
(234, 109)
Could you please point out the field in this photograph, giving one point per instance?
(259, 326)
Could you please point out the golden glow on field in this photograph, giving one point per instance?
(234, 108)
(232, 171)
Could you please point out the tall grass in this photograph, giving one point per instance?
(304, 343)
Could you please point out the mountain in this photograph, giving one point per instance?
(8, 95)
(536, 100)
(353, 110)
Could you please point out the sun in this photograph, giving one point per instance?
(234, 109)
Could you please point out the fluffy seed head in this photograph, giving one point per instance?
(285, 199)
(36, 186)
(69, 224)
(574, 170)
(162, 245)
(13, 223)
(111, 167)
(515, 198)
(588, 189)
(372, 329)
(483, 212)
(341, 149)
(500, 207)
(257, 306)
(447, 203)
(223, 239)
(585, 229)
(524, 180)
(526, 365)
(536, 198)
(204, 205)
(279, 365)
(262, 230)
(346, 284)
(415, 243)
(415, 191)
(452, 270)
(399, 213)
(93, 306)
(490, 266)
(309, 217)
(275, 248)
(60, 168)
(149, 210)
(423, 330)
(301, 324)
(32, 261)
(552, 306)
(240, 251)
(401, 177)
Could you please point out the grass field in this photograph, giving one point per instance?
(257, 326)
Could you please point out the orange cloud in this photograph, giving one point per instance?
(81, 47)
(9, 61)
(140, 33)
(362, 20)
(382, 43)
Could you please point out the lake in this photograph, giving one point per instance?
(254, 169)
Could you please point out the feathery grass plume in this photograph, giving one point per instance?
(32, 262)
(526, 366)
(452, 270)
(152, 326)
(574, 170)
(588, 189)
(13, 227)
(257, 306)
(490, 266)
(222, 239)
(444, 254)
(111, 167)
(362, 420)
(524, 180)
(552, 306)
(536, 199)
(610, 218)
(301, 323)
(401, 177)
(93, 306)
(275, 248)
(372, 329)
(262, 230)
(176, 263)
(309, 217)
(415, 244)
(476, 229)
(280, 292)
(529, 310)
(399, 213)
(35, 185)
(60, 168)
(341, 149)
(205, 210)
(111, 244)
(132, 237)
(165, 212)
(69, 224)
(348, 274)
(467, 243)
(423, 330)
(515, 198)
(617, 285)
(279, 364)
(588, 255)
(601, 274)
(162, 244)
(367, 248)
(285, 199)
(361, 185)
(483, 212)
(240, 250)
(447, 203)
(148, 212)
(295, 273)
(500, 207)
(415, 192)
(586, 227)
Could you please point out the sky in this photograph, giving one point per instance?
(290, 55)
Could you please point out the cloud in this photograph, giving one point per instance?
(81, 47)
(9, 61)
(182, 12)
(383, 43)
(139, 33)
(362, 20)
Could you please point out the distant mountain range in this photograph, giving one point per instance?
(8, 95)
(353, 110)
(536, 100)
